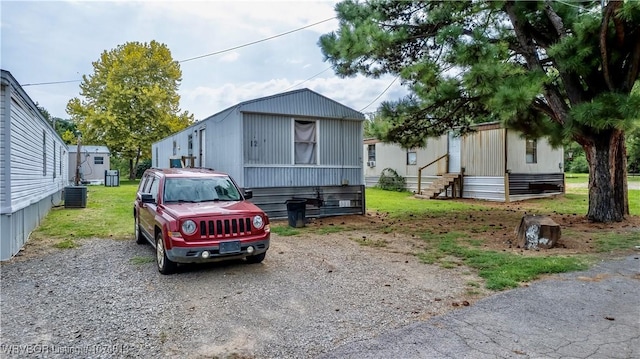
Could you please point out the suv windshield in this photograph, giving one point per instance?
(200, 190)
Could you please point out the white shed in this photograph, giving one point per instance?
(491, 163)
(33, 167)
(94, 161)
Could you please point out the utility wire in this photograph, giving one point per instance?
(50, 83)
(382, 93)
(256, 42)
(300, 83)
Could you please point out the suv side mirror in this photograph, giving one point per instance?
(147, 198)
(248, 194)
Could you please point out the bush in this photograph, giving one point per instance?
(390, 180)
(142, 166)
(578, 164)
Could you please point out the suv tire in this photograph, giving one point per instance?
(165, 265)
(138, 233)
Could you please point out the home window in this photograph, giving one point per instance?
(412, 158)
(532, 151)
(175, 146)
(371, 150)
(98, 160)
(61, 154)
(190, 146)
(54, 161)
(44, 153)
(305, 142)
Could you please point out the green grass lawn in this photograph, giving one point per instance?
(108, 214)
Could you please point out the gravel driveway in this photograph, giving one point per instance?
(313, 293)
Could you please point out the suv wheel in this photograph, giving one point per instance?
(165, 265)
(138, 234)
(257, 258)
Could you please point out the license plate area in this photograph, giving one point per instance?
(229, 247)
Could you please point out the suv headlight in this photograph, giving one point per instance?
(258, 222)
(188, 227)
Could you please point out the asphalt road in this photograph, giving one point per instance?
(591, 314)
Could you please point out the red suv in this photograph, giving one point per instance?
(193, 215)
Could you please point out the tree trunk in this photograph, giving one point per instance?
(608, 196)
(132, 170)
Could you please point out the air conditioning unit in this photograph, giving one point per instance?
(371, 163)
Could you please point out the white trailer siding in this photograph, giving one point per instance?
(34, 167)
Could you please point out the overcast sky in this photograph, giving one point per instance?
(54, 41)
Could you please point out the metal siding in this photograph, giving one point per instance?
(487, 188)
(257, 177)
(224, 144)
(550, 160)
(5, 152)
(520, 183)
(301, 103)
(272, 200)
(28, 184)
(267, 139)
(340, 142)
(483, 153)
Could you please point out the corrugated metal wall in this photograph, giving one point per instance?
(487, 188)
(267, 139)
(549, 160)
(535, 183)
(483, 153)
(286, 176)
(302, 102)
(341, 143)
(337, 200)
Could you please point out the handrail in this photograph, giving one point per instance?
(425, 166)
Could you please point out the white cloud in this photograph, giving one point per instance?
(64, 38)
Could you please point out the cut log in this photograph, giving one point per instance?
(537, 232)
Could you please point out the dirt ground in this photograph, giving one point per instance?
(493, 224)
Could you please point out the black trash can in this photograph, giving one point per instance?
(296, 212)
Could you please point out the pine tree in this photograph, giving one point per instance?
(563, 70)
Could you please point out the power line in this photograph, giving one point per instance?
(50, 83)
(256, 42)
(300, 83)
(209, 54)
(382, 93)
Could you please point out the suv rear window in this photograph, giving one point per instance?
(200, 190)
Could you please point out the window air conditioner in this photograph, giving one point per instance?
(371, 163)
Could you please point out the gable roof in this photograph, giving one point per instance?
(303, 102)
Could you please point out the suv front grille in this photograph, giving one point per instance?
(221, 228)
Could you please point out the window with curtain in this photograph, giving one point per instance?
(305, 142)
(532, 151)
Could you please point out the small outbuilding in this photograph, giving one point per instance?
(490, 163)
(289, 146)
(33, 166)
(94, 161)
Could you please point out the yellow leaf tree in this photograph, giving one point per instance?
(130, 101)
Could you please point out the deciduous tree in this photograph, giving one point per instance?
(564, 70)
(130, 101)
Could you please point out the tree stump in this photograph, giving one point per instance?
(537, 232)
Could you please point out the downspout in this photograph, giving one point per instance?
(506, 169)
(5, 205)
